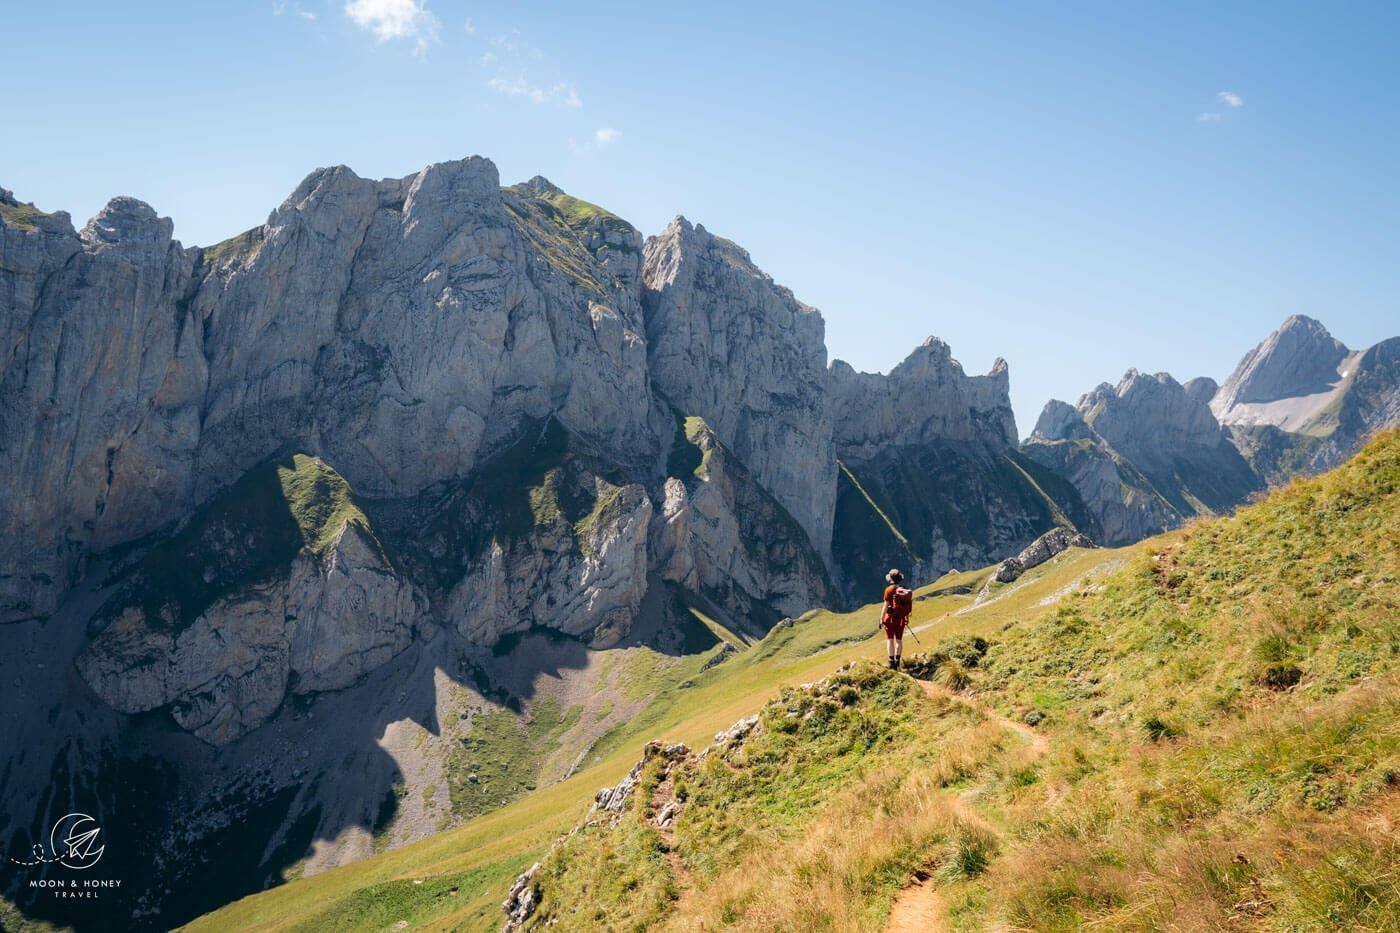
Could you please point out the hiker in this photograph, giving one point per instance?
(899, 603)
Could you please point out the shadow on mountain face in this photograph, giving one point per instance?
(189, 827)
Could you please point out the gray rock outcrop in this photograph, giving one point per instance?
(586, 579)
(1053, 542)
(320, 628)
(721, 534)
(1060, 421)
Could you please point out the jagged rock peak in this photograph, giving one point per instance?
(1136, 390)
(694, 237)
(126, 220)
(926, 397)
(1059, 421)
(1202, 389)
(935, 352)
(1300, 358)
(472, 178)
(1141, 405)
(1133, 380)
(317, 183)
(541, 187)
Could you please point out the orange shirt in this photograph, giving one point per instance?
(889, 614)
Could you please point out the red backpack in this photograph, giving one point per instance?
(901, 602)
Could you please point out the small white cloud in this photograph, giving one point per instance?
(488, 59)
(1208, 118)
(1230, 99)
(396, 19)
(602, 138)
(469, 27)
(563, 94)
(307, 15)
(510, 41)
(279, 7)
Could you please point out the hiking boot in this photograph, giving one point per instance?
(894, 665)
(898, 663)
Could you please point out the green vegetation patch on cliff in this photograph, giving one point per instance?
(246, 535)
(20, 215)
(547, 482)
(241, 246)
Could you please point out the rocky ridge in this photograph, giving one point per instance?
(1144, 455)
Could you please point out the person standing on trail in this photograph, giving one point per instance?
(899, 603)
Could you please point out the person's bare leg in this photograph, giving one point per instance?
(897, 648)
(892, 646)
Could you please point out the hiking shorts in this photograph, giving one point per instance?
(894, 628)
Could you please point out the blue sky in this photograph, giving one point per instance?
(1078, 187)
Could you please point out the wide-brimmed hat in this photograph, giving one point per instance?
(894, 575)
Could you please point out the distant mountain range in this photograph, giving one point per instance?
(421, 452)
(1150, 453)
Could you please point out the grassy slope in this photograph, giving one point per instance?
(1179, 787)
(500, 843)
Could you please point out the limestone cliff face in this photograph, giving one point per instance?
(719, 533)
(728, 345)
(1144, 455)
(399, 328)
(410, 335)
(284, 518)
(930, 476)
(101, 365)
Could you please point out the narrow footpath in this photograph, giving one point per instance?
(922, 907)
